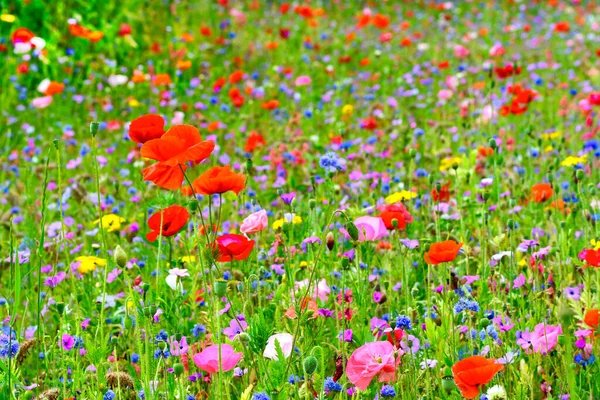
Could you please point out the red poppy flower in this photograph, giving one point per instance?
(270, 105)
(442, 252)
(161, 80)
(396, 211)
(254, 140)
(219, 180)
(181, 144)
(443, 195)
(592, 257)
(146, 127)
(22, 35)
(472, 372)
(592, 318)
(235, 77)
(541, 192)
(173, 219)
(124, 30)
(380, 21)
(234, 247)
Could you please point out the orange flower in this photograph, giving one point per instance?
(254, 140)
(219, 180)
(146, 127)
(270, 105)
(592, 318)
(472, 372)
(442, 252)
(22, 35)
(540, 192)
(94, 36)
(161, 79)
(236, 77)
(562, 26)
(181, 144)
(307, 302)
(184, 64)
(443, 195)
(54, 88)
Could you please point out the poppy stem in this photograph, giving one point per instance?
(194, 194)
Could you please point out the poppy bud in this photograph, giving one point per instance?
(178, 336)
(146, 287)
(220, 288)
(486, 196)
(330, 240)
(455, 166)
(178, 369)
(127, 322)
(345, 262)
(438, 187)
(193, 205)
(448, 384)
(431, 179)
(395, 223)
(60, 308)
(243, 337)
(412, 153)
(467, 177)
(550, 178)
(352, 231)
(55, 142)
(579, 174)
(493, 144)
(94, 126)
(310, 365)
(510, 224)
(414, 292)
(279, 192)
(161, 345)
(120, 256)
(483, 322)
(312, 203)
(249, 165)
(28, 395)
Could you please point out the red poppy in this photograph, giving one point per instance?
(396, 211)
(473, 372)
(381, 21)
(146, 127)
(173, 219)
(441, 252)
(22, 35)
(233, 247)
(124, 30)
(369, 123)
(540, 192)
(443, 195)
(219, 180)
(270, 105)
(181, 144)
(161, 80)
(54, 88)
(562, 27)
(592, 318)
(254, 140)
(592, 257)
(236, 77)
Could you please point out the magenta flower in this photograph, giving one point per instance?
(369, 229)
(179, 348)
(235, 327)
(370, 360)
(66, 342)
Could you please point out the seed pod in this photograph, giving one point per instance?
(330, 240)
(310, 365)
(220, 287)
(352, 231)
(120, 256)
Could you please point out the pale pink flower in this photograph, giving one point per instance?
(370, 360)
(42, 102)
(369, 228)
(303, 80)
(460, 51)
(285, 340)
(255, 222)
(208, 360)
(445, 94)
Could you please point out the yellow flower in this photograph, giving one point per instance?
(134, 103)
(89, 263)
(303, 264)
(571, 161)
(548, 149)
(8, 18)
(400, 196)
(186, 259)
(279, 223)
(111, 222)
(595, 244)
(348, 109)
(551, 135)
(448, 162)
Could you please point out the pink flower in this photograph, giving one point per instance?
(208, 360)
(303, 80)
(321, 292)
(255, 222)
(179, 347)
(370, 360)
(445, 94)
(285, 340)
(497, 50)
(460, 51)
(42, 102)
(369, 228)
(545, 337)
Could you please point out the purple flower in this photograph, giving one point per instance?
(410, 243)
(346, 336)
(572, 293)
(288, 197)
(179, 348)
(67, 342)
(53, 281)
(236, 327)
(519, 281)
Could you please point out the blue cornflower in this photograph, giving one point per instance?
(331, 387)
(135, 358)
(331, 162)
(261, 396)
(466, 304)
(109, 395)
(388, 391)
(403, 322)
(8, 347)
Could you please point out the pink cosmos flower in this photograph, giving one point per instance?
(285, 340)
(370, 360)
(303, 80)
(208, 360)
(369, 228)
(255, 222)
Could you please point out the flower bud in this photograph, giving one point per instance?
(146, 287)
(448, 384)
(120, 256)
(395, 223)
(493, 144)
(243, 337)
(193, 205)
(310, 365)
(220, 287)
(412, 153)
(94, 126)
(178, 369)
(249, 165)
(579, 174)
(312, 203)
(345, 262)
(60, 308)
(330, 240)
(352, 231)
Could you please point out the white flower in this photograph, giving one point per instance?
(285, 341)
(496, 392)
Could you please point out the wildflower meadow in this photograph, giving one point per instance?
(324, 199)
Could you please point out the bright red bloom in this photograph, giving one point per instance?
(540, 192)
(124, 30)
(219, 180)
(443, 195)
(234, 247)
(270, 105)
(592, 318)
(473, 372)
(22, 35)
(180, 145)
(146, 127)
(441, 252)
(562, 27)
(396, 211)
(173, 219)
(369, 123)
(592, 257)
(254, 140)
